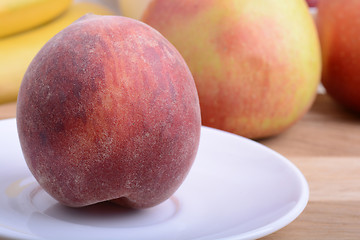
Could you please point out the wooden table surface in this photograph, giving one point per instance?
(325, 146)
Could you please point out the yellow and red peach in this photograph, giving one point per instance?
(256, 63)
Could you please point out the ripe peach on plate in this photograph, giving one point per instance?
(108, 110)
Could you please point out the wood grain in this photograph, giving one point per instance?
(325, 146)
(323, 220)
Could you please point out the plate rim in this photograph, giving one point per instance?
(265, 230)
(286, 219)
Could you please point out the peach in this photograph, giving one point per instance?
(339, 28)
(133, 8)
(108, 110)
(256, 64)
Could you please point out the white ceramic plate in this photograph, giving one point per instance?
(236, 189)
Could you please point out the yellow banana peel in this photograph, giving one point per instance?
(17, 51)
(19, 15)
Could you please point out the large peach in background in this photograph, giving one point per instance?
(256, 63)
(108, 110)
(133, 8)
(339, 30)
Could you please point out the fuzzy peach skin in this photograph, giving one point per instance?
(339, 30)
(256, 63)
(108, 110)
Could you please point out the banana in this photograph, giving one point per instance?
(20, 15)
(17, 51)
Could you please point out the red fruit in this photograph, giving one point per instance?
(312, 3)
(339, 30)
(108, 110)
